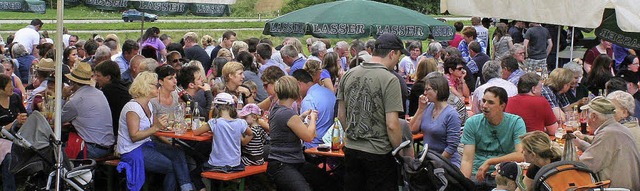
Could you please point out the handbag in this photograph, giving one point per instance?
(75, 144)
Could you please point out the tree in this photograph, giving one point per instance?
(423, 6)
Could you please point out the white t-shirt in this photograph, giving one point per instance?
(408, 65)
(483, 34)
(27, 37)
(125, 145)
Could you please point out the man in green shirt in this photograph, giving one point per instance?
(490, 138)
(369, 100)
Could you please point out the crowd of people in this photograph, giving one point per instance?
(267, 102)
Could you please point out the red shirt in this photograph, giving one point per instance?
(534, 110)
(593, 53)
(456, 40)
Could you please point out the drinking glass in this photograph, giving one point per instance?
(180, 127)
(559, 135)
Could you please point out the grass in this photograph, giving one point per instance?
(136, 25)
(82, 12)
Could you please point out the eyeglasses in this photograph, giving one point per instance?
(426, 89)
(158, 85)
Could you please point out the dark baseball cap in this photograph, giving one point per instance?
(390, 41)
(509, 170)
(628, 76)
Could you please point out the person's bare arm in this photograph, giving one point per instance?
(525, 43)
(327, 84)
(342, 114)
(133, 125)
(394, 131)
(514, 156)
(549, 46)
(266, 103)
(263, 123)
(415, 122)
(466, 165)
(465, 89)
(202, 129)
(247, 136)
(551, 129)
(304, 132)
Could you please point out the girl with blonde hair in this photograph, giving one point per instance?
(538, 150)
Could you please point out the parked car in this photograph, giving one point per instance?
(135, 15)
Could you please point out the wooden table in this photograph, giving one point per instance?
(418, 137)
(325, 155)
(208, 136)
(315, 151)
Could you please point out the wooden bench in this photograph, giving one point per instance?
(111, 173)
(248, 171)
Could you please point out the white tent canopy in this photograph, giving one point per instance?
(224, 2)
(577, 13)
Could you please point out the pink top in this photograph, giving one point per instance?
(453, 82)
(456, 40)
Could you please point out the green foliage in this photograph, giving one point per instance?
(136, 26)
(423, 6)
(293, 5)
(244, 8)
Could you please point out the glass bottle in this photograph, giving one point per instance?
(196, 117)
(336, 136)
(187, 114)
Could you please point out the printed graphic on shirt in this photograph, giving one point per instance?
(363, 102)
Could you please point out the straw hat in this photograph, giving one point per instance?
(81, 74)
(46, 64)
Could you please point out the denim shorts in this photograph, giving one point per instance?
(225, 169)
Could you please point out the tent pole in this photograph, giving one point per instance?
(142, 27)
(558, 45)
(58, 102)
(573, 34)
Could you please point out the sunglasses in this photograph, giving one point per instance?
(460, 68)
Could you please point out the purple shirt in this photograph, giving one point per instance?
(442, 134)
(155, 43)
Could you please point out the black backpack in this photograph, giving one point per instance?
(434, 173)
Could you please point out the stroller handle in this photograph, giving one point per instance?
(402, 145)
(8, 134)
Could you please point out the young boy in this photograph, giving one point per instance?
(252, 152)
(508, 173)
(252, 87)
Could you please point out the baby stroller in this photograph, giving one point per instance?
(429, 172)
(34, 155)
